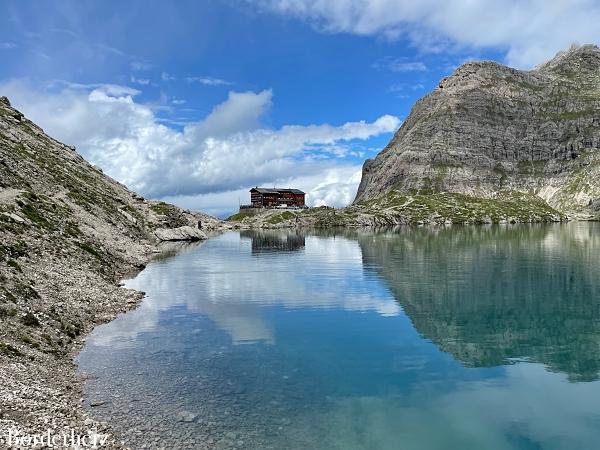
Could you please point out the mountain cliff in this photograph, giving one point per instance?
(68, 233)
(488, 131)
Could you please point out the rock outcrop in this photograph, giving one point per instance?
(489, 129)
(185, 233)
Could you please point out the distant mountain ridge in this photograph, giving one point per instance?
(488, 130)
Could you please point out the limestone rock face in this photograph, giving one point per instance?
(185, 233)
(489, 128)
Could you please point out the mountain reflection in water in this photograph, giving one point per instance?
(489, 295)
(415, 338)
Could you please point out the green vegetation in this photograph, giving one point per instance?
(133, 212)
(54, 347)
(592, 94)
(15, 250)
(84, 188)
(33, 214)
(271, 217)
(395, 207)
(579, 186)
(7, 312)
(23, 291)
(71, 229)
(574, 115)
(81, 199)
(9, 350)
(282, 217)
(70, 329)
(172, 213)
(317, 209)
(238, 217)
(26, 339)
(90, 249)
(162, 208)
(9, 226)
(529, 86)
(30, 320)
(8, 295)
(15, 265)
(22, 151)
(334, 218)
(444, 166)
(43, 212)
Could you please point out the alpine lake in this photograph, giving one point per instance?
(415, 338)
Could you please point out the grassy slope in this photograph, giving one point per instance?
(396, 208)
(460, 208)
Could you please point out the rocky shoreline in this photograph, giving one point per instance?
(42, 391)
(68, 235)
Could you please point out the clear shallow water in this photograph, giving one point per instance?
(419, 338)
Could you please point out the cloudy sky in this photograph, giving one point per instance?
(195, 102)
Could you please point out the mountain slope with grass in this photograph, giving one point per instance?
(489, 131)
(395, 208)
(68, 233)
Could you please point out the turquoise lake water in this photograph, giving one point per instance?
(414, 339)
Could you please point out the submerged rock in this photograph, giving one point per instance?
(187, 417)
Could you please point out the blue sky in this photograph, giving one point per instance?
(195, 102)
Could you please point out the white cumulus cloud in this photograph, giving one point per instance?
(529, 31)
(209, 163)
(209, 81)
(399, 65)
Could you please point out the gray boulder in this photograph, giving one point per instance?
(185, 233)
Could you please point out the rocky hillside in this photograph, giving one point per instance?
(489, 130)
(67, 234)
(395, 208)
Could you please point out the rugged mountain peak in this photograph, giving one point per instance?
(489, 129)
(576, 58)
